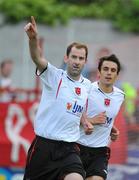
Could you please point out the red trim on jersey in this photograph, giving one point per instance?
(32, 150)
(86, 105)
(58, 87)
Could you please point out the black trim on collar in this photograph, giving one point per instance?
(101, 90)
(70, 79)
(105, 93)
(82, 81)
(74, 80)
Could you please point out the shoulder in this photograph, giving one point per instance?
(54, 68)
(94, 86)
(118, 91)
(53, 71)
(86, 83)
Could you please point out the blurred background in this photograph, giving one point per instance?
(106, 26)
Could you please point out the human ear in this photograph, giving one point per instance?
(65, 58)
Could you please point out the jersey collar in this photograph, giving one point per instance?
(80, 80)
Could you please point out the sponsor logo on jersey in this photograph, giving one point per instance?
(108, 121)
(69, 105)
(75, 108)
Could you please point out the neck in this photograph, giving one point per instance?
(73, 77)
(105, 88)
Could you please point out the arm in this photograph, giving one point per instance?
(88, 123)
(88, 127)
(98, 119)
(114, 133)
(35, 52)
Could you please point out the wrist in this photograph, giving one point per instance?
(34, 38)
(92, 121)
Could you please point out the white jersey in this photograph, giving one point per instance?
(62, 103)
(98, 102)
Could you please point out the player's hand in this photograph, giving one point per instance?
(98, 119)
(114, 133)
(31, 29)
(88, 128)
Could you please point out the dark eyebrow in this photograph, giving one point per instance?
(109, 67)
(105, 67)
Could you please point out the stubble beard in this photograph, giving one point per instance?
(75, 74)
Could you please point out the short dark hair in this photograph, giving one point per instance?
(112, 58)
(78, 46)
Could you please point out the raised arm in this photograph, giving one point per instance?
(35, 52)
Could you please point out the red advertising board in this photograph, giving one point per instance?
(16, 132)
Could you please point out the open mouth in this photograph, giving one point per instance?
(75, 68)
(108, 78)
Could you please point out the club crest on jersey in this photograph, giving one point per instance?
(78, 91)
(107, 102)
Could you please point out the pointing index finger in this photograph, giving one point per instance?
(33, 21)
